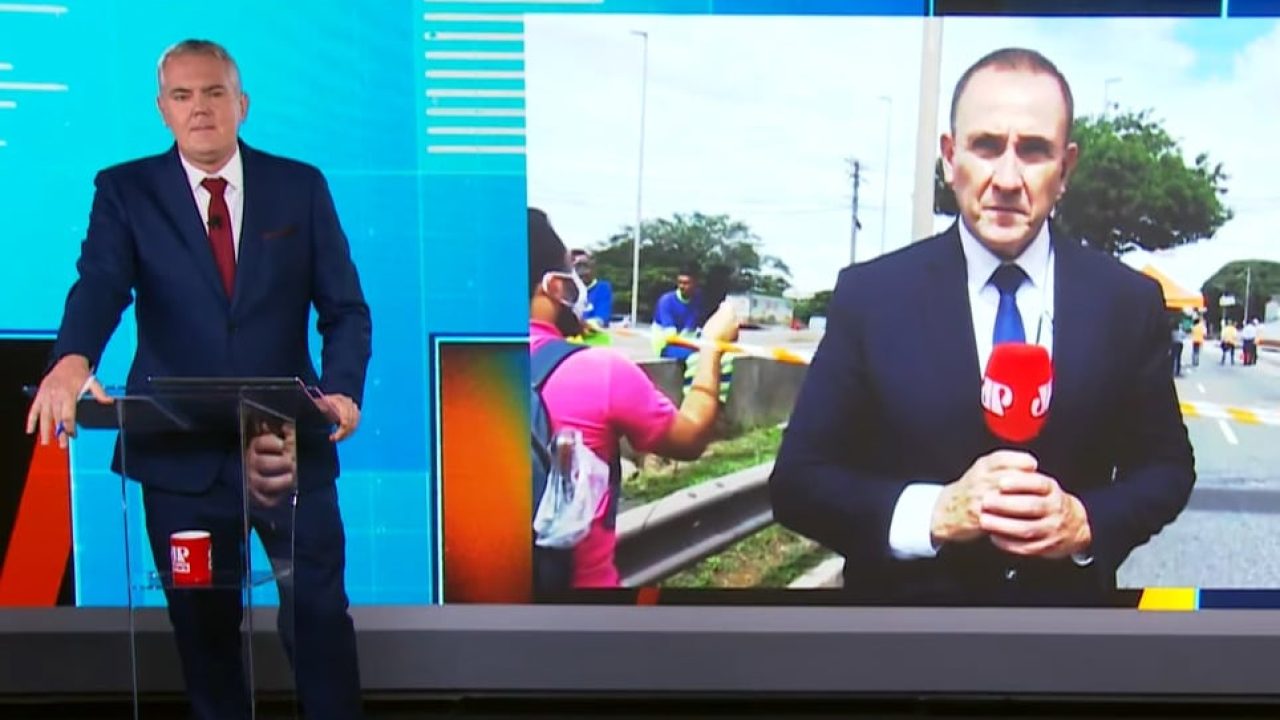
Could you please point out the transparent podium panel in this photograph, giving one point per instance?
(209, 482)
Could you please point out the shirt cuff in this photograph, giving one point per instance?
(909, 530)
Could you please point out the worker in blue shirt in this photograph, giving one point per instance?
(678, 313)
(599, 292)
(599, 300)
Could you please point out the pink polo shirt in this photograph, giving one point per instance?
(605, 395)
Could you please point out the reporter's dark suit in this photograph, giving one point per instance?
(146, 238)
(892, 397)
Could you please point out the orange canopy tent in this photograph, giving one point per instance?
(1175, 298)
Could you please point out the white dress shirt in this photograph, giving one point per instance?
(909, 529)
(233, 173)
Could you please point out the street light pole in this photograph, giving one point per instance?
(1106, 94)
(635, 250)
(927, 129)
(884, 202)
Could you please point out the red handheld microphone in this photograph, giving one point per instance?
(1016, 390)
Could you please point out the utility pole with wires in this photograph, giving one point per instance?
(855, 174)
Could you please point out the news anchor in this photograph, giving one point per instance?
(887, 458)
(224, 249)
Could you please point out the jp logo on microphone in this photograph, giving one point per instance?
(1016, 391)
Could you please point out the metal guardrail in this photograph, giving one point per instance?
(660, 538)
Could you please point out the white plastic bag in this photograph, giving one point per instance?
(577, 485)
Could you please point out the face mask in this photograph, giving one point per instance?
(574, 299)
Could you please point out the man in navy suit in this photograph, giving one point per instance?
(887, 459)
(224, 249)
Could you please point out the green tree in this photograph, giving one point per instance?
(813, 305)
(669, 244)
(1131, 188)
(1262, 278)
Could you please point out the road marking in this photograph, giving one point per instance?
(1227, 432)
(1248, 417)
(1200, 387)
(1244, 416)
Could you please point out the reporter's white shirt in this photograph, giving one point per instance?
(909, 529)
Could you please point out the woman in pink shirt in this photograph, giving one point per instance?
(606, 396)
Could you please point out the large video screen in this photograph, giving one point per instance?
(753, 157)
(752, 154)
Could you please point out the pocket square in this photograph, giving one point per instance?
(282, 232)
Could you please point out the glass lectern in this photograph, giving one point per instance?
(206, 567)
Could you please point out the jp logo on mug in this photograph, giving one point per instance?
(191, 558)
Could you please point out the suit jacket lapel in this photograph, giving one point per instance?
(250, 253)
(1076, 309)
(179, 204)
(948, 324)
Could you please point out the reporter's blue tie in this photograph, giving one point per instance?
(1007, 279)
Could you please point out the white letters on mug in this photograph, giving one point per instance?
(179, 556)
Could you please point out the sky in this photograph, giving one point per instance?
(758, 117)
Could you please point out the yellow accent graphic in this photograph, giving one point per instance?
(1168, 599)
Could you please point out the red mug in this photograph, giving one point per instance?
(191, 558)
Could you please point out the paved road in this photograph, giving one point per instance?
(1229, 533)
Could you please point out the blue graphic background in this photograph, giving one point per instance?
(336, 84)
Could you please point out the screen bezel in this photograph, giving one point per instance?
(586, 649)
